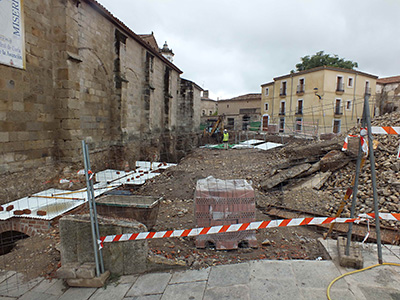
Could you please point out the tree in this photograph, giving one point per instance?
(321, 59)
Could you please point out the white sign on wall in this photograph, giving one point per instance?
(12, 45)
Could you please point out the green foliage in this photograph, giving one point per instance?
(321, 59)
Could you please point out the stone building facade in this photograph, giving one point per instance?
(89, 77)
(208, 106)
(387, 95)
(240, 111)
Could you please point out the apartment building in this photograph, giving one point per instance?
(319, 100)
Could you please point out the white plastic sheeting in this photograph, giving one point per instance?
(56, 202)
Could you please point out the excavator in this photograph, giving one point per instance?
(215, 129)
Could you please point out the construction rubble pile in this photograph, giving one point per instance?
(318, 175)
(387, 167)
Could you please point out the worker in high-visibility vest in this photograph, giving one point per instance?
(225, 139)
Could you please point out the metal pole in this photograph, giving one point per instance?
(373, 178)
(355, 187)
(96, 223)
(89, 195)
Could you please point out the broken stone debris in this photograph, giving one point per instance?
(284, 175)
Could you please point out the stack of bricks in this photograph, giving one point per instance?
(224, 202)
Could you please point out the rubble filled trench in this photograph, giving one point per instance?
(308, 175)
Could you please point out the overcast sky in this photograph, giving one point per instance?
(231, 47)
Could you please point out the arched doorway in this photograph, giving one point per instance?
(8, 239)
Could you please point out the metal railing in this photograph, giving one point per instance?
(340, 87)
(300, 89)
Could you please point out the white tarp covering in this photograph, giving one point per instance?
(12, 44)
(258, 144)
(268, 145)
(56, 202)
(251, 142)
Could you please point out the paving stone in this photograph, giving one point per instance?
(190, 276)
(111, 291)
(51, 287)
(77, 293)
(58, 288)
(318, 294)
(226, 275)
(239, 292)
(146, 297)
(128, 279)
(6, 274)
(190, 290)
(323, 272)
(274, 289)
(271, 269)
(7, 298)
(383, 276)
(30, 295)
(15, 286)
(148, 284)
(373, 293)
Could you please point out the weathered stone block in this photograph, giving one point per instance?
(4, 137)
(120, 257)
(62, 74)
(87, 270)
(354, 259)
(95, 282)
(68, 270)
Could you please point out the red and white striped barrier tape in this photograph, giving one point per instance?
(364, 143)
(374, 130)
(385, 130)
(383, 216)
(224, 229)
(242, 227)
(346, 141)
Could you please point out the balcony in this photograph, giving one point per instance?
(282, 92)
(340, 88)
(338, 111)
(299, 111)
(300, 89)
(281, 113)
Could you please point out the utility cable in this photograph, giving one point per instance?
(354, 272)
